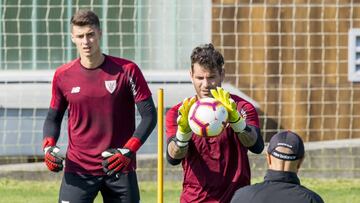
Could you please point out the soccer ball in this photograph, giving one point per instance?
(207, 117)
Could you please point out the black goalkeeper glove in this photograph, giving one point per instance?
(116, 160)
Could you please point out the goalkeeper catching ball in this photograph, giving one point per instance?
(99, 92)
(214, 168)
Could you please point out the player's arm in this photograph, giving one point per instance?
(248, 135)
(115, 160)
(251, 131)
(51, 133)
(52, 126)
(175, 153)
(148, 121)
(178, 144)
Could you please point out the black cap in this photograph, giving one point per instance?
(289, 140)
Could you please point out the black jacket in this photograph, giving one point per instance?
(278, 187)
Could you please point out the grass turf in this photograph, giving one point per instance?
(331, 190)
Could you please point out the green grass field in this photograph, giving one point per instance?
(332, 191)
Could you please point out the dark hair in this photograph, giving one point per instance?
(85, 17)
(207, 56)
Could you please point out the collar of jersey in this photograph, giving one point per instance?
(282, 176)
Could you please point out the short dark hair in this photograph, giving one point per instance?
(207, 56)
(85, 17)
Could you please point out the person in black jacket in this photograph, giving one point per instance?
(285, 155)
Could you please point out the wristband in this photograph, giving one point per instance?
(239, 125)
(180, 144)
(48, 141)
(183, 137)
(133, 144)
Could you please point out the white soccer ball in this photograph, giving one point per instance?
(207, 117)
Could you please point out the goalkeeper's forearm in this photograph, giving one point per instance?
(52, 124)
(175, 152)
(148, 121)
(248, 139)
(251, 138)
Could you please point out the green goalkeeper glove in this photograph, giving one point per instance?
(183, 134)
(237, 123)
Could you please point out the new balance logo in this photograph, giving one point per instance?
(75, 90)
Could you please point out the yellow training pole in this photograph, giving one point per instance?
(160, 114)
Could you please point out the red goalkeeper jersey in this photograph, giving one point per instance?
(101, 109)
(214, 168)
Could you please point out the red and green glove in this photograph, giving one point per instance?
(53, 160)
(117, 160)
(237, 122)
(183, 133)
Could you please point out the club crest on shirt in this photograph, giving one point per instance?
(110, 85)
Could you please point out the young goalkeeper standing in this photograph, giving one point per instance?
(100, 93)
(214, 168)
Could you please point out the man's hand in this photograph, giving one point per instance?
(116, 160)
(237, 123)
(182, 119)
(183, 134)
(53, 160)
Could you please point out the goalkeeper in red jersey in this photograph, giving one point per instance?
(214, 168)
(100, 93)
